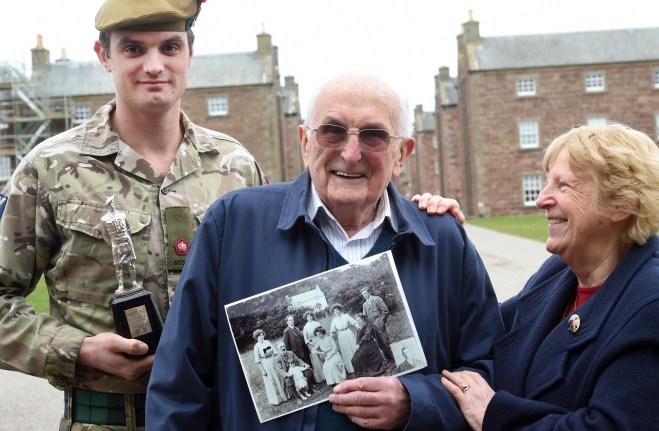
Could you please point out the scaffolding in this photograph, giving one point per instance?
(25, 116)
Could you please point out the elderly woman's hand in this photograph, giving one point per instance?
(471, 392)
(435, 204)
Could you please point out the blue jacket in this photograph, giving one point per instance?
(259, 238)
(605, 376)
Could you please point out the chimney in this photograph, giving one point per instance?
(470, 30)
(267, 52)
(418, 118)
(40, 58)
(264, 44)
(62, 58)
(444, 73)
(291, 91)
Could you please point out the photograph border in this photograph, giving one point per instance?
(270, 384)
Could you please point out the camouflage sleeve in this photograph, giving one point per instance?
(39, 345)
(250, 169)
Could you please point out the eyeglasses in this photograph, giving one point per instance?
(333, 136)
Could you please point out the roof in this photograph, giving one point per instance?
(565, 49)
(227, 70)
(428, 122)
(448, 92)
(68, 78)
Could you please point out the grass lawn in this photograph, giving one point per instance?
(39, 298)
(527, 226)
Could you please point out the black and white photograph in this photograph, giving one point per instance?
(296, 342)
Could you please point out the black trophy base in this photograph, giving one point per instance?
(136, 316)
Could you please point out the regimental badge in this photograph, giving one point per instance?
(181, 247)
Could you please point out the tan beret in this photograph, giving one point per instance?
(147, 15)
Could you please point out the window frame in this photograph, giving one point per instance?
(655, 78)
(590, 76)
(531, 187)
(597, 120)
(215, 109)
(526, 144)
(5, 167)
(526, 93)
(78, 109)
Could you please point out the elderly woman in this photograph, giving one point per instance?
(264, 357)
(582, 344)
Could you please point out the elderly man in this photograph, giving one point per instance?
(341, 209)
(376, 311)
(163, 171)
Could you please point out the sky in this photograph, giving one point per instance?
(404, 42)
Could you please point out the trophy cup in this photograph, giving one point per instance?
(135, 314)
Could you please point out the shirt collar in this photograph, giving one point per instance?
(314, 204)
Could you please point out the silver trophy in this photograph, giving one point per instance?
(135, 314)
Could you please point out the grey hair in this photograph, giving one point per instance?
(399, 109)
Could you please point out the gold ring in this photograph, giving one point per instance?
(465, 388)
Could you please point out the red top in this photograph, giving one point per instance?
(583, 294)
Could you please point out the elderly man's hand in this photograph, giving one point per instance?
(373, 402)
(436, 204)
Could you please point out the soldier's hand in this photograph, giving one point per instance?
(373, 402)
(435, 204)
(107, 352)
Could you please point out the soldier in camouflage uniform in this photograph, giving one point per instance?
(164, 172)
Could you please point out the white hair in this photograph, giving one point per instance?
(399, 108)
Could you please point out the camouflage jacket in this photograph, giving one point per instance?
(51, 226)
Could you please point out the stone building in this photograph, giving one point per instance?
(239, 94)
(514, 94)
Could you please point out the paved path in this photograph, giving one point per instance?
(29, 404)
(510, 260)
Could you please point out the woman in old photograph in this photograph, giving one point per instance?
(310, 339)
(264, 357)
(368, 359)
(327, 351)
(344, 336)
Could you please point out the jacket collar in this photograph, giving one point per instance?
(294, 210)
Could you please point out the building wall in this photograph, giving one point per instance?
(451, 153)
(560, 103)
(407, 182)
(427, 156)
(251, 119)
(294, 164)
